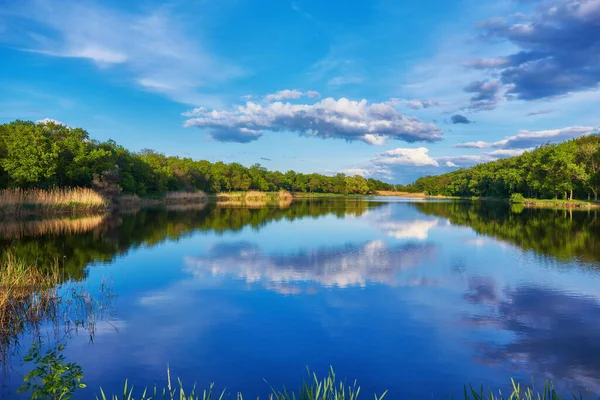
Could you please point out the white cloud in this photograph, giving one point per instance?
(473, 145)
(507, 152)
(357, 171)
(529, 139)
(50, 121)
(153, 47)
(464, 160)
(283, 95)
(290, 94)
(450, 164)
(400, 156)
(328, 118)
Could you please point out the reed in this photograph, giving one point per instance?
(18, 201)
(30, 301)
(255, 195)
(285, 195)
(26, 296)
(331, 388)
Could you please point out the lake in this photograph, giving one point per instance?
(417, 297)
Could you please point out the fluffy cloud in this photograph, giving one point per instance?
(283, 95)
(328, 118)
(558, 51)
(413, 157)
(485, 94)
(527, 139)
(460, 119)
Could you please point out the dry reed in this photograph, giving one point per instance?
(284, 194)
(16, 201)
(255, 195)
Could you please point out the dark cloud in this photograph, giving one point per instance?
(460, 119)
(559, 50)
(327, 119)
(266, 159)
(554, 334)
(485, 94)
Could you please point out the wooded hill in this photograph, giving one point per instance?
(569, 170)
(49, 155)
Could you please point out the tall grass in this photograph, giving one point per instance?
(332, 388)
(26, 296)
(17, 201)
(30, 300)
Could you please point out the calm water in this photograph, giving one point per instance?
(414, 297)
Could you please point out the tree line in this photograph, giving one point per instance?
(50, 155)
(568, 170)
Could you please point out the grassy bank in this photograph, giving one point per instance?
(254, 199)
(527, 202)
(556, 203)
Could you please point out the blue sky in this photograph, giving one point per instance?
(389, 89)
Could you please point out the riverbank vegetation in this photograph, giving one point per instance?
(49, 155)
(569, 171)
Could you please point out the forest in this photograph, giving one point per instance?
(50, 155)
(568, 170)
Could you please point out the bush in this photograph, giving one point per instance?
(517, 198)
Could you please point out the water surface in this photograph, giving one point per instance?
(418, 297)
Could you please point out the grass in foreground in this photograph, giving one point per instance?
(53, 378)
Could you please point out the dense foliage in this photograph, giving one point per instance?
(47, 155)
(568, 170)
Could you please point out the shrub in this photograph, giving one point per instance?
(517, 198)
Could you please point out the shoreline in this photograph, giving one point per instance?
(527, 202)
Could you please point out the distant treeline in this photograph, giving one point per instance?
(47, 155)
(569, 170)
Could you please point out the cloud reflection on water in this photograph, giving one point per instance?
(553, 334)
(342, 266)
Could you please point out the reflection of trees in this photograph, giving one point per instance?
(32, 298)
(564, 234)
(342, 266)
(555, 334)
(109, 237)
